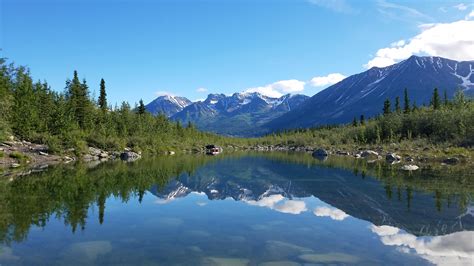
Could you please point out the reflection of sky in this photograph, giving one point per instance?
(453, 249)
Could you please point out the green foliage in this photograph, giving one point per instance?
(406, 104)
(386, 107)
(435, 99)
(102, 101)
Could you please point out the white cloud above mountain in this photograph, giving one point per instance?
(201, 89)
(450, 40)
(461, 7)
(279, 88)
(330, 79)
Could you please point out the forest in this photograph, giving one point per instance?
(72, 119)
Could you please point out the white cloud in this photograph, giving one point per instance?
(461, 7)
(279, 203)
(400, 12)
(335, 5)
(327, 80)
(164, 93)
(333, 213)
(450, 40)
(453, 249)
(470, 15)
(279, 88)
(201, 90)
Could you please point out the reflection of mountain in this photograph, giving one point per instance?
(253, 179)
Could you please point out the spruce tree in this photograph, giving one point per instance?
(354, 122)
(102, 101)
(435, 100)
(362, 120)
(397, 105)
(386, 107)
(446, 101)
(141, 107)
(406, 106)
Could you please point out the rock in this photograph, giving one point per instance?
(369, 153)
(409, 159)
(410, 167)
(357, 156)
(320, 152)
(11, 138)
(171, 153)
(129, 156)
(94, 151)
(43, 153)
(392, 157)
(103, 155)
(15, 165)
(452, 160)
(343, 153)
(89, 157)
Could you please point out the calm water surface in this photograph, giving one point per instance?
(267, 209)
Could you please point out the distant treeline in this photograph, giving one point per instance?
(72, 119)
(447, 121)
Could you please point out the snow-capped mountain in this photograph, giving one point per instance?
(239, 114)
(167, 105)
(364, 93)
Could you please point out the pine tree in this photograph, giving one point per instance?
(362, 120)
(406, 106)
(446, 101)
(354, 122)
(102, 101)
(386, 107)
(398, 110)
(79, 102)
(435, 100)
(141, 107)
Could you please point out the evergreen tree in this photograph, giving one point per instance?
(354, 122)
(386, 107)
(435, 100)
(102, 101)
(446, 101)
(398, 110)
(24, 116)
(406, 106)
(141, 107)
(362, 120)
(78, 101)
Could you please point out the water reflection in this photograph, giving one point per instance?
(281, 208)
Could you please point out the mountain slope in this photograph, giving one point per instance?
(167, 105)
(240, 114)
(364, 93)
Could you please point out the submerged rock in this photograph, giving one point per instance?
(217, 261)
(410, 167)
(334, 257)
(452, 160)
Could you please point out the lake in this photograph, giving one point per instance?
(238, 209)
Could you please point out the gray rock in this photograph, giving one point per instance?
(129, 156)
(89, 157)
(15, 165)
(392, 157)
(103, 155)
(369, 153)
(320, 153)
(43, 153)
(94, 151)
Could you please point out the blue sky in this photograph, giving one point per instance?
(192, 48)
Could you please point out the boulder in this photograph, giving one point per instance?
(94, 151)
(392, 157)
(15, 165)
(171, 153)
(369, 153)
(103, 155)
(43, 153)
(129, 156)
(320, 153)
(410, 167)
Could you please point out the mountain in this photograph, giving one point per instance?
(240, 114)
(364, 93)
(167, 105)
